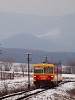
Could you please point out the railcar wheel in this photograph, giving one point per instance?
(37, 85)
(56, 84)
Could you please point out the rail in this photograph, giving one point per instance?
(27, 94)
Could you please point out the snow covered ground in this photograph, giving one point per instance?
(59, 93)
(16, 84)
(68, 77)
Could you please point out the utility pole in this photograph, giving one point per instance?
(28, 59)
(0, 50)
(59, 63)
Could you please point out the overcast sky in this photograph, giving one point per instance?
(35, 7)
(38, 7)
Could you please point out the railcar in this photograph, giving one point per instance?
(46, 74)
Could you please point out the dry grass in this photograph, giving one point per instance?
(22, 88)
(71, 92)
(70, 95)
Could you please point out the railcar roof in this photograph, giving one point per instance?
(44, 64)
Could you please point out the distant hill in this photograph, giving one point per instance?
(57, 33)
(28, 41)
(20, 56)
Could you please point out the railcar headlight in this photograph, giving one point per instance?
(43, 64)
(51, 76)
(34, 76)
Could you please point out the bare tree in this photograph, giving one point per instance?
(68, 70)
(23, 66)
(7, 62)
(72, 66)
(15, 68)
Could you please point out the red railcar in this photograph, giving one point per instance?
(45, 74)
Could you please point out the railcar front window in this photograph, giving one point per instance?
(38, 69)
(48, 69)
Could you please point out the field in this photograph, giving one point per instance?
(65, 91)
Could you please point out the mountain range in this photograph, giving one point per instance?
(28, 41)
(37, 56)
(46, 33)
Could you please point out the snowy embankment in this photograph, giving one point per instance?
(59, 93)
(53, 94)
(16, 85)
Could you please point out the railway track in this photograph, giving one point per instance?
(21, 95)
(31, 93)
(28, 94)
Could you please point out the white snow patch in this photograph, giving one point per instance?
(68, 75)
(53, 33)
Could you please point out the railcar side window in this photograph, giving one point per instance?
(48, 69)
(38, 69)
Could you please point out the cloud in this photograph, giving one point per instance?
(54, 33)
